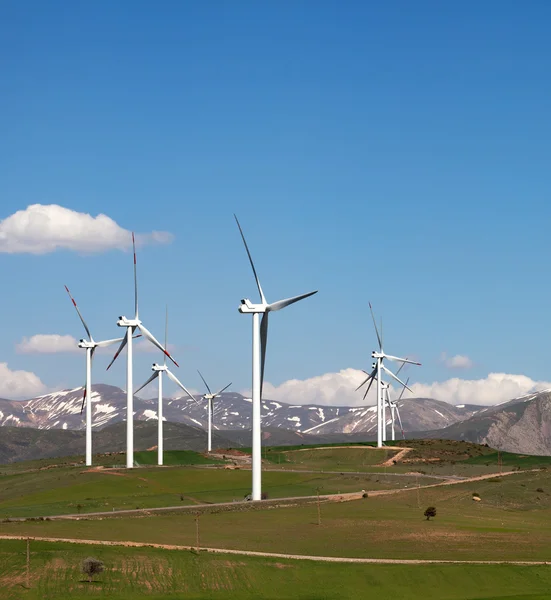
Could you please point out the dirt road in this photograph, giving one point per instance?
(339, 559)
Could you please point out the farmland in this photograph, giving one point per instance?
(508, 521)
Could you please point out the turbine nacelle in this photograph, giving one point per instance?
(248, 307)
(86, 344)
(157, 367)
(124, 322)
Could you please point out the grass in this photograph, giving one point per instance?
(511, 522)
(330, 458)
(76, 490)
(170, 575)
(174, 457)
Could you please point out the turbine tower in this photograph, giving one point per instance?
(158, 371)
(209, 398)
(90, 346)
(260, 338)
(131, 326)
(375, 375)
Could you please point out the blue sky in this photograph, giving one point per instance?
(395, 153)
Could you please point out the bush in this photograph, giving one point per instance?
(92, 566)
(540, 491)
(364, 495)
(430, 512)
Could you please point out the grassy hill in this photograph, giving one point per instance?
(172, 575)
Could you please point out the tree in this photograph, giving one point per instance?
(92, 566)
(430, 512)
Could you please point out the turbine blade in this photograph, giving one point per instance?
(400, 421)
(222, 390)
(376, 330)
(389, 372)
(179, 383)
(83, 399)
(402, 360)
(363, 382)
(262, 297)
(166, 333)
(403, 389)
(146, 333)
(135, 277)
(263, 343)
(104, 343)
(152, 378)
(369, 387)
(206, 384)
(79, 314)
(120, 349)
(401, 367)
(283, 303)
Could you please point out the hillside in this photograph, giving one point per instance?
(27, 443)
(520, 425)
(232, 411)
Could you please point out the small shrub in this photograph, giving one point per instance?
(364, 495)
(430, 512)
(540, 491)
(92, 566)
(476, 494)
(264, 496)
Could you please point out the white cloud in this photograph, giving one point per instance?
(495, 388)
(19, 384)
(459, 361)
(40, 229)
(338, 389)
(47, 344)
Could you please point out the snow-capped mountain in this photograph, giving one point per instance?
(62, 410)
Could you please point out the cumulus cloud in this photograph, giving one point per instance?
(459, 361)
(19, 384)
(493, 389)
(338, 389)
(40, 229)
(47, 344)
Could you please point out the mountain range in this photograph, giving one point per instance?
(62, 410)
(519, 425)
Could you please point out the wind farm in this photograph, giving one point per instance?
(181, 173)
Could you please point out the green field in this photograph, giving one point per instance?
(511, 522)
(73, 490)
(170, 575)
(327, 458)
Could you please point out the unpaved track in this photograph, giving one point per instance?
(339, 559)
(275, 503)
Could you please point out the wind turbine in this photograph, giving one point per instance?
(395, 411)
(209, 398)
(260, 338)
(375, 375)
(158, 371)
(131, 326)
(90, 346)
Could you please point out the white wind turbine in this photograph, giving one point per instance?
(260, 338)
(392, 405)
(131, 326)
(395, 411)
(209, 398)
(158, 371)
(375, 375)
(90, 346)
